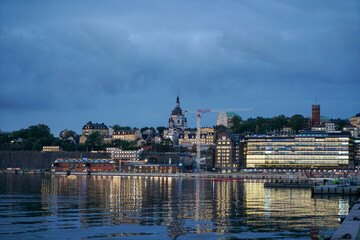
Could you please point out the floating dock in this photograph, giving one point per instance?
(336, 189)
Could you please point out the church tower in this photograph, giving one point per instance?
(177, 118)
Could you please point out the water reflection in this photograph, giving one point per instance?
(163, 207)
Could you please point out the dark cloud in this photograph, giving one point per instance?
(88, 58)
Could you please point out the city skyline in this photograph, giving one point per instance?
(64, 64)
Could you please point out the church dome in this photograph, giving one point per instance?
(176, 111)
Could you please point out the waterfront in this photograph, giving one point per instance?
(133, 207)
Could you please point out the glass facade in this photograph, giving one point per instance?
(306, 150)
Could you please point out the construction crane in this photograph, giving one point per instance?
(198, 126)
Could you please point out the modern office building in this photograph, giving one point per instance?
(315, 114)
(357, 153)
(227, 152)
(305, 150)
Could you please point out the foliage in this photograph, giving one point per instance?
(297, 122)
(117, 127)
(32, 138)
(340, 123)
(94, 141)
(259, 125)
(166, 145)
(160, 130)
(124, 145)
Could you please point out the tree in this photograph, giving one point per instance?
(340, 123)
(94, 141)
(124, 145)
(160, 130)
(279, 122)
(297, 122)
(235, 121)
(117, 127)
(166, 145)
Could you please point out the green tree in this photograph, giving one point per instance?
(160, 130)
(166, 145)
(340, 123)
(297, 122)
(94, 141)
(279, 122)
(236, 121)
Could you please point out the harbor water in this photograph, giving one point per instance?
(133, 207)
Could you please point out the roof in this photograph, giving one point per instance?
(91, 125)
(124, 132)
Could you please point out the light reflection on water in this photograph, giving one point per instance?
(98, 207)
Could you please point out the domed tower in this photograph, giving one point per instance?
(177, 118)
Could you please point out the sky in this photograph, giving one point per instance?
(64, 63)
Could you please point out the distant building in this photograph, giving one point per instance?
(90, 127)
(227, 152)
(127, 135)
(210, 158)
(125, 155)
(189, 139)
(306, 150)
(173, 134)
(224, 118)
(177, 124)
(357, 153)
(315, 114)
(177, 118)
(354, 131)
(355, 121)
(330, 127)
(51, 149)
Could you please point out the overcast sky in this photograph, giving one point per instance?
(64, 63)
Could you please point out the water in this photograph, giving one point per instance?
(101, 207)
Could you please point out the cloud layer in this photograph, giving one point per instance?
(87, 59)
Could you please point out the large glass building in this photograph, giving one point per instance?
(306, 150)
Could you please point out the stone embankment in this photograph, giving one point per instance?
(39, 160)
(239, 175)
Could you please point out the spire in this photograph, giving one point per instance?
(177, 101)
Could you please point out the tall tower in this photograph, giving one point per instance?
(177, 118)
(315, 114)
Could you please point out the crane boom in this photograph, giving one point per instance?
(198, 126)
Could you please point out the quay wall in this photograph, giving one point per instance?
(239, 175)
(39, 160)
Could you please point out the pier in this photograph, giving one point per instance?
(349, 228)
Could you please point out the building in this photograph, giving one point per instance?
(51, 149)
(355, 121)
(189, 139)
(227, 152)
(125, 155)
(177, 118)
(315, 114)
(357, 153)
(83, 165)
(354, 131)
(306, 150)
(127, 135)
(224, 119)
(150, 168)
(90, 127)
